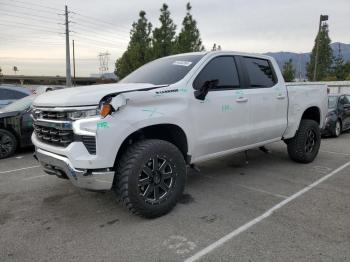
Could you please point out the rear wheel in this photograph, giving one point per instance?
(151, 177)
(304, 146)
(8, 144)
(337, 129)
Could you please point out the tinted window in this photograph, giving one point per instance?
(222, 69)
(332, 102)
(7, 94)
(260, 72)
(344, 100)
(163, 71)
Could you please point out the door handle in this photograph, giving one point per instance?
(241, 99)
(281, 97)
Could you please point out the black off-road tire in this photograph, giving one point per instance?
(298, 146)
(133, 169)
(8, 144)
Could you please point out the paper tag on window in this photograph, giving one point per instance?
(182, 63)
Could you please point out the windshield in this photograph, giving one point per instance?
(332, 102)
(164, 71)
(19, 105)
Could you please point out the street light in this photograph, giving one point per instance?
(322, 19)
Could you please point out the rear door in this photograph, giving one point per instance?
(268, 100)
(221, 120)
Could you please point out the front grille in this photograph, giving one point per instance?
(51, 115)
(90, 144)
(52, 135)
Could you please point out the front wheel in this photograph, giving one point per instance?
(8, 144)
(151, 177)
(304, 146)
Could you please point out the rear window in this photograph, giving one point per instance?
(163, 71)
(260, 72)
(7, 94)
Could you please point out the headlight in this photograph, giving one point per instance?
(81, 114)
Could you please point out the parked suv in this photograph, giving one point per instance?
(137, 136)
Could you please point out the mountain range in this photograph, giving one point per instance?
(301, 59)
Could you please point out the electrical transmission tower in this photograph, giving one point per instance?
(104, 59)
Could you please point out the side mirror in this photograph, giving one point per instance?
(346, 106)
(202, 92)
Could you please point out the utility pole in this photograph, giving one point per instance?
(322, 18)
(73, 64)
(68, 71)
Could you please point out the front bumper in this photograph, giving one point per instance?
(328, 128)
(96, 179)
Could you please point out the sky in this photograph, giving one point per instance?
(32, 35)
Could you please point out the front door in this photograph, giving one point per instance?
(221, 120)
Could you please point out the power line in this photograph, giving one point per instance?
(27, 28)
(35, 19)
(115, 29)
(108, 38)
(26, 25)
(38, 5)
(35, 16)
(29, 8)
(94, 39)
(96, 20)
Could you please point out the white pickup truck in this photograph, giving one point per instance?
(138, 136)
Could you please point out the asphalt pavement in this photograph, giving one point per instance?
(269, 209)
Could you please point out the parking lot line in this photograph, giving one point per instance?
(260, 218)
(19, 169)
(261, 191)
(33, 177)
(336, 153)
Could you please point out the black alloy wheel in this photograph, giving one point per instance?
(156, 179)
(8, 144)
(310, 141)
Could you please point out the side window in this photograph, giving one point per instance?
(260, 72)
(3, 95)
(344, 100)
(12, 94)
(347, 99)
(220, 68)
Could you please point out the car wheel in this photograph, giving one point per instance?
(8, 144)
(304, 146)
(151, 177)
(337, 129)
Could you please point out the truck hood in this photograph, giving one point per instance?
(85, 96)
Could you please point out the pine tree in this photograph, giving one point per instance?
(189, 39)
(325, 55)
(164, 36)
(288, 71)
(139, 49)
(339, 69)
